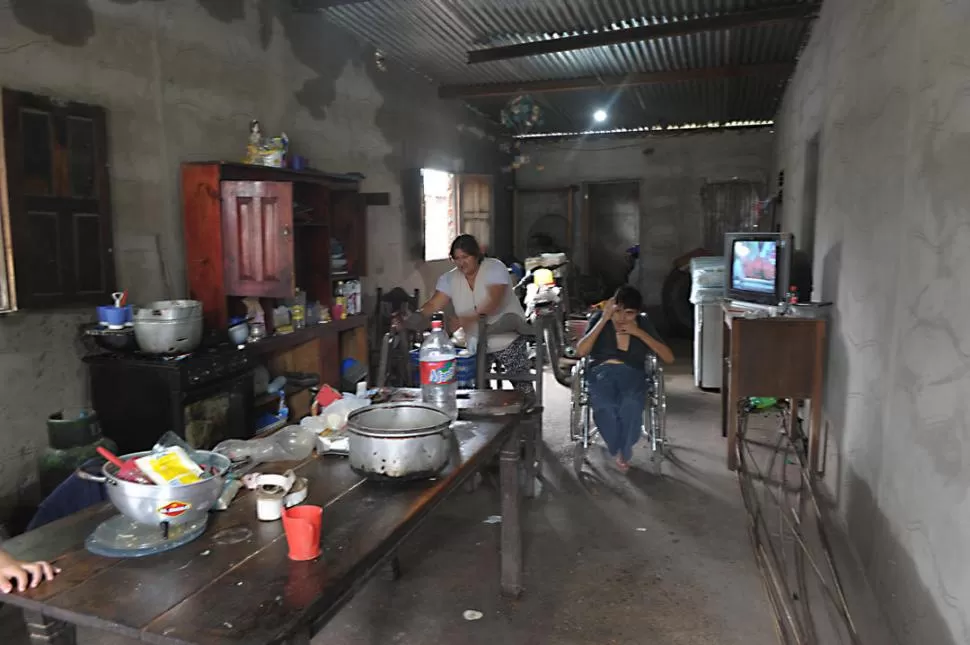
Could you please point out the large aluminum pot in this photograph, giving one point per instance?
(152, 504)
(399, 441)
(168, 336)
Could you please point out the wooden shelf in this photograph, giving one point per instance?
(290, 390)
(280, 342)
(234, 171)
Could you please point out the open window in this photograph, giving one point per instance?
(56, 216)
(453, 204)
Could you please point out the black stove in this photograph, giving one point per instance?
(205, 396)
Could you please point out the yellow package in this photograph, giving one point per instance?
(170, 467)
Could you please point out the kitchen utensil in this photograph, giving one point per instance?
(169, 326)
(406, 440)
(302, 524)
(114, 340)
(239, 333)
(119, 298)
(127, 470)
(164, 506)
(114, 317)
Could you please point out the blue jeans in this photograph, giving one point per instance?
(617, 394)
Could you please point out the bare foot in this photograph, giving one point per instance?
(622, 464)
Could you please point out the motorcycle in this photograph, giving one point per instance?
(543, 300)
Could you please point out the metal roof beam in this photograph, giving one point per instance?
(780, 70)
(312, 6)
(755, 18)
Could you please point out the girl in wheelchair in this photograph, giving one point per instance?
(618, 341)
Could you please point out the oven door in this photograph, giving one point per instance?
(221, 411)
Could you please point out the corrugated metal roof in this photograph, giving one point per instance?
(433, 37)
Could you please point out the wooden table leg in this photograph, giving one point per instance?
(732, 434)
(531, 436)
(511, 516)
(43, 630)
(725, 378)
(818, 385)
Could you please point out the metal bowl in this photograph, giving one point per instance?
(153, 504)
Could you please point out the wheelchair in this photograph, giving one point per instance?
(582, 429)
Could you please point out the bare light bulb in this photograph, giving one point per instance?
(599, 116)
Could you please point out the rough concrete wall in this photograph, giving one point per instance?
(181, 81)
(884, 85)
(671, 172)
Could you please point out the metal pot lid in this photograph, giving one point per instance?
(169, 309)
(398, 420)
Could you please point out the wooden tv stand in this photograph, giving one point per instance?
(781, 357)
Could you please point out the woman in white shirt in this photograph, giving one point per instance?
(480, 286)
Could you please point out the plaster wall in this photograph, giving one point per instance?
(883, 84)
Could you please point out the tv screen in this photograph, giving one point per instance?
(755, 265)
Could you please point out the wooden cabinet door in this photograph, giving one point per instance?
(257, 220)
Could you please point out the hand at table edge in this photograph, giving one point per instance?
(16, 575)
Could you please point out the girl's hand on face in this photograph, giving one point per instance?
(609, 309)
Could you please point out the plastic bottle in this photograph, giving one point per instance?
(439, 369)
(292, 443)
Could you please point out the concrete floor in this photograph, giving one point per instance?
(609, 558)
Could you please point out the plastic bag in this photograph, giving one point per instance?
(707, 272)
(707, 280)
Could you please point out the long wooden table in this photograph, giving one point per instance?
(235, 584)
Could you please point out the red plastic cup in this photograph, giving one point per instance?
(301, 524)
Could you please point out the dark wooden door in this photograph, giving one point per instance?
(60, 215)
(614, 222)
(257, 220)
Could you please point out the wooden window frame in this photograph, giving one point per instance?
(68, 206)
(458, 182)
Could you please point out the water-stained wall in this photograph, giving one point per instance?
(181, 81)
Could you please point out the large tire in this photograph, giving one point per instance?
(678, 310)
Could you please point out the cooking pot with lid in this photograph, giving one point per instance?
(169, 326)
(399, 441)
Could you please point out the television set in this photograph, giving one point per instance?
(758, 266)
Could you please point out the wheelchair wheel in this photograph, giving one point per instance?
(580, 416)
(655, 417)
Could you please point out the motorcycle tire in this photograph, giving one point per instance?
(677, 308)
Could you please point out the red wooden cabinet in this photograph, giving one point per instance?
(264, 232)
(257, 224)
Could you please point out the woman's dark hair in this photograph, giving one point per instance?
(469, 245)
(628, 297)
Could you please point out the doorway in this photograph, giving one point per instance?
(613, 216)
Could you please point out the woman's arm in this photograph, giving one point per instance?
(16, 575)
(437, 302)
